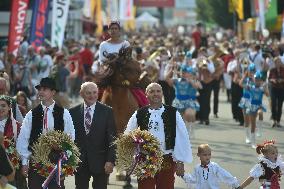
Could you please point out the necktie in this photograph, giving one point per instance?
(88, 120)
(45, 127)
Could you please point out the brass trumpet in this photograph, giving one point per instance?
(245, 62)
(202, 63)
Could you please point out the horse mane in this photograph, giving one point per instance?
(122, 57)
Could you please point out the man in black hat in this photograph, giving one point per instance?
(47, 116)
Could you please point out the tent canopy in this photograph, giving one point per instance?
(145, 16)
(146, 20)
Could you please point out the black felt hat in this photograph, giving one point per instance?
(48, 83)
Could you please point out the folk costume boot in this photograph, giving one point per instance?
(253, 142)
(247, 129)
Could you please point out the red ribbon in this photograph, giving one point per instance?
(139, 156)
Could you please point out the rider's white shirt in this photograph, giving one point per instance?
(108, 47)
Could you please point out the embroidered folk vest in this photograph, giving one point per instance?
(268, 172)
(37, 121)
(169, 120)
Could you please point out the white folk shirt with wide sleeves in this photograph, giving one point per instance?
(204, 178)
(24, 136)
(182, 150)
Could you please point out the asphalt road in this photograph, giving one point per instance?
(228, 147)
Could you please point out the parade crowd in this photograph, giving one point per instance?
(40, 86)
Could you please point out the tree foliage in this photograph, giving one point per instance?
(5, 5)
(217, 11)
(202, 10)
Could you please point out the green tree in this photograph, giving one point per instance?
(5, 5)
(203, 10)
(217, 11)
(220, 13)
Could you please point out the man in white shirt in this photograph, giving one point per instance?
(166, 124)
(256, 58)
(45, 63)
(47, 116)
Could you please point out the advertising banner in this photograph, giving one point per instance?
(59, 20)
(39, 22)
(126, 10)
(17, 22)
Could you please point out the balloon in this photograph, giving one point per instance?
(219, 36)
(180, 30)
(265, 33)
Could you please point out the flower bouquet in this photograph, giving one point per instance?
(49, 149)
(10, 148)
(139, 153)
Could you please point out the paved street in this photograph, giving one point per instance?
(228, 148)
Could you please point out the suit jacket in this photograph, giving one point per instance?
(97, 147)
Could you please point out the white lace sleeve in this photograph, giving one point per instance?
(256, 171)
(226, 177)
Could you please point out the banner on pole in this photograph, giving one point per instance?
(271, 14)
(112, 10)
(126, 10)
(17, 22)
(59, 20)
(39, 22)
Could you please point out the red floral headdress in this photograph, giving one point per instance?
(269, 142)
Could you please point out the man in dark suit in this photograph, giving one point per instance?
(95, 134)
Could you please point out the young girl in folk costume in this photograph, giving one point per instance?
(257, 89)
(208, 174)
(185, 95)
(11, 129)
(246, 82)
(269, 169)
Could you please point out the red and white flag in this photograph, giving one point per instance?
(126, 10)
(17, 22)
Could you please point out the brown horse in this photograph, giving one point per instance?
(125, 74)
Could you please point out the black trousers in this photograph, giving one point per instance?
(216, 89)
(277, 97)
(168, 91)
(35, 181)
(83, 175)
(237, 93)
(204, 101)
